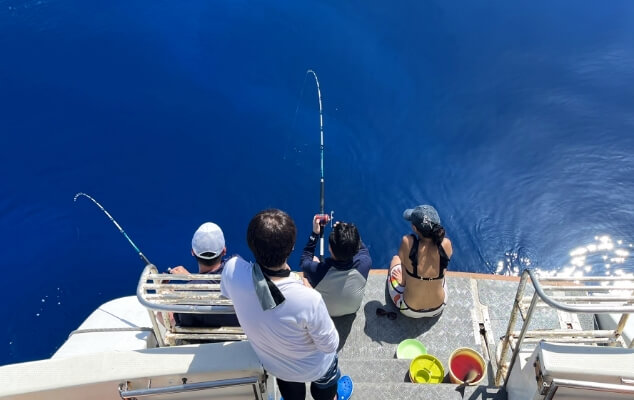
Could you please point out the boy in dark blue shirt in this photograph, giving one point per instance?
(340, 278)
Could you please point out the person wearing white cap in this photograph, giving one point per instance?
(208, 248)
(416, 280)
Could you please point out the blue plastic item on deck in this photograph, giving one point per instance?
(344, 388)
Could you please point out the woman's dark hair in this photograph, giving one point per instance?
(344, 241)
(436, 232)
(271, 237)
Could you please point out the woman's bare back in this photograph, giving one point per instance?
(423, 294)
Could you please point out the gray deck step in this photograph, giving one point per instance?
(369, 341)
(385, 370)
(366, 335)
(444, 391)
(376, 370)
(407, 391)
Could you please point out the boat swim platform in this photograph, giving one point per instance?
(476, 316)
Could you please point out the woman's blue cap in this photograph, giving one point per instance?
(423, 216)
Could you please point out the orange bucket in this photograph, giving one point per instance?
(462, 361)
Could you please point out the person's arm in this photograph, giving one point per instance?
(403, 250)
(226, 277)
(308, 253)
(178, 270)
(403, 253)
(307, 264)
(362, 261)
(446, 245)
(322, 329)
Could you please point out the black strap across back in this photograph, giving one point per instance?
(413, 252)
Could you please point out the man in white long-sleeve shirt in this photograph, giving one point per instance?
(286, 322)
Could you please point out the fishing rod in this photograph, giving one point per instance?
(322, 217)
(144, 258)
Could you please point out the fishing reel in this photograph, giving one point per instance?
(324, 219)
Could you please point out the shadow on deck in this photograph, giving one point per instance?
(368, 342)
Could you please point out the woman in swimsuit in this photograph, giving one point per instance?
(416, 281)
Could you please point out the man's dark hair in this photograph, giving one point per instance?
(271, 237)
(344, 241)
(208, 262)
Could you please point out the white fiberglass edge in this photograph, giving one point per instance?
(99, 375)
(120, 324)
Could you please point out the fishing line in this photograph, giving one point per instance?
(299, 101)
(301, 95)
(115, 224)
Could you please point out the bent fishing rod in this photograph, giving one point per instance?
(144, 258)
(322, 217)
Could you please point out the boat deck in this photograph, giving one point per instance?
(476, 316)
(96, 360)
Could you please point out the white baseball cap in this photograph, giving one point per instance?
(208, 238)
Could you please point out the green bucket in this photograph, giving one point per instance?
(410, 349)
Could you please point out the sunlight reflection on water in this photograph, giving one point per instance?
(604, 256)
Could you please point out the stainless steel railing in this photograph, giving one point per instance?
(191, 387)
(161, 296)
(592, 386)
(579, 296)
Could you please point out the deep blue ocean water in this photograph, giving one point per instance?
(514, 119)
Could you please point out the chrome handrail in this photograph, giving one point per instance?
(190, 387)
(184, 308)
(164, 332)
(565, 307)
(595, 386)
(539, 292)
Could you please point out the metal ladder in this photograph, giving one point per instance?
(583, 295)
